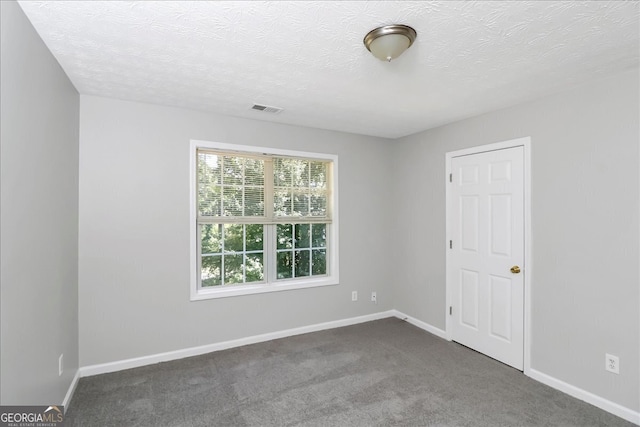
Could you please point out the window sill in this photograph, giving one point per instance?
(232, 291)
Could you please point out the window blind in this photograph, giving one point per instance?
(239, 188)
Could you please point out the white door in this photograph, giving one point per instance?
(487, 253)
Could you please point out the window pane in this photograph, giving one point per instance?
(254, 172)
(209, 201)
(303, 234)
(284, 172)
(255, 268)
(318, 175)
(302, 263)
(301, 173)
(235, 265)
(210, 238)
(284, 236)
(300, 204)
(232, 170)
(254, 237)
(208, 184)
(233, 238)
(282, 202)
(210, 271)
(319, 260)
(319, 235)
(300, 187)
(209, 166)
(232, 201)
(233, 269)
(318, 203)
(230, 185)
(285, 264)
(254, 201)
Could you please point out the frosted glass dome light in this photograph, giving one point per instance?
(388, 42)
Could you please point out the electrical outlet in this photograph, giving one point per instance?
(60, 364)
(374, 297)
(612, 363)
(354, 296)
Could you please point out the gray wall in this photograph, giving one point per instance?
(134, 232)
(585, 193)
(39, 211)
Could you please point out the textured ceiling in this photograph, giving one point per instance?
(308, 57)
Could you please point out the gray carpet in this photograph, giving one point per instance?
(380, 373)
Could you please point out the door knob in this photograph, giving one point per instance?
(515, 269)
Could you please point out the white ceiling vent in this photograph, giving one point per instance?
(266, 108)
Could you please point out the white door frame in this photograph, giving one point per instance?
(526, 144)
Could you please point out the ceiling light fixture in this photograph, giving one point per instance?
(388, 42)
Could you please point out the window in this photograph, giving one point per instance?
(261, 222)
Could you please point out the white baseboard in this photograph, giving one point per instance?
(70, 391)
(196, 351)
(600, 402)
(420, 324)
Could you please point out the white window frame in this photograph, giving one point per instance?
(270, 284)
